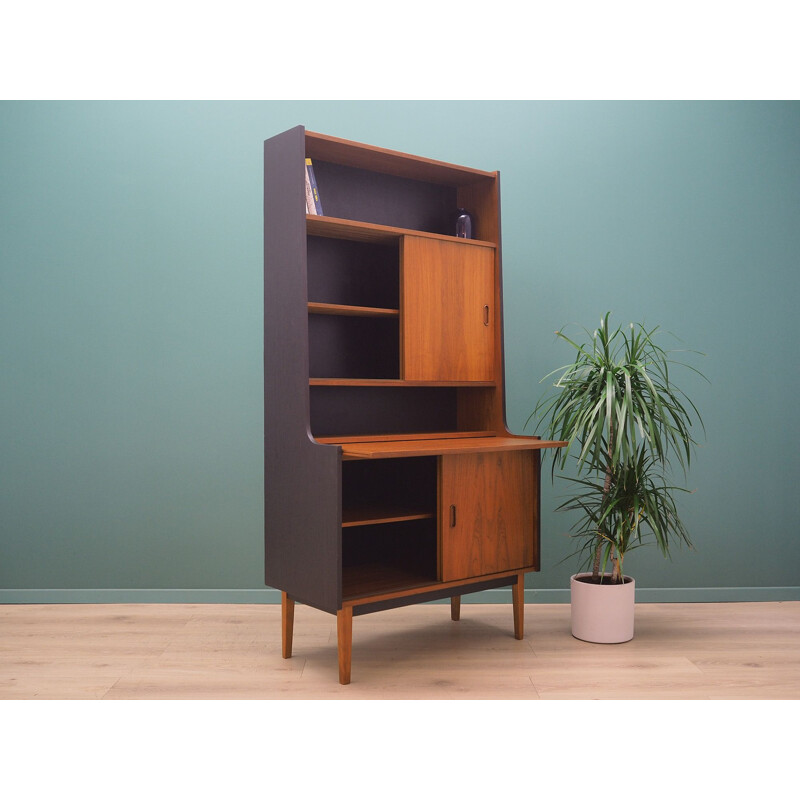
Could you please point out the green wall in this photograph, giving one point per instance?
(131, 324)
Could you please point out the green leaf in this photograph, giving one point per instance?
(617, 407)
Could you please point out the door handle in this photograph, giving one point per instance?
(452, 516)
(486, 316)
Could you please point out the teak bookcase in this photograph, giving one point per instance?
(390, 475)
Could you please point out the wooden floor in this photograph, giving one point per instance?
(680, 651)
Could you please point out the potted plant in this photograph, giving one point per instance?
(625, 423)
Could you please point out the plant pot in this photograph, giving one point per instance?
(602, 613)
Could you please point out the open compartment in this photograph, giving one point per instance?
(388, 490)
(359, 194)
(340, 411)
(388, 557)
(353, 346)
(349, 273)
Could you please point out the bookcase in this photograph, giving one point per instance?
(390, 475)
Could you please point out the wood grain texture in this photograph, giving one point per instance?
(447, 310)
(287, 624)
(486, 409)
(344, 633)
(404, 437)
(478, 407)
(354, 517)
(536, 502)
(482, 200)
(518, 603)
(339, 310)
(492, 527)
(425, 447)
(732, 651)
(390, 382)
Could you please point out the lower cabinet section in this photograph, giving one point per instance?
(411, 522)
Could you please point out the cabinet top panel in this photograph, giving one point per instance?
(390, 162)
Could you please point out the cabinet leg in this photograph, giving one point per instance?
(344, 630)
(455, 608)
(287, 624)
(518, 601)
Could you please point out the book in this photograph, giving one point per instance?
(310, 207)
(314, 190)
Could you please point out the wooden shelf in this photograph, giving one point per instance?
(401, 437)
(351, 311)
(433, 447)
(367, 580)
(416, 586)
(392, 382)
(354, 517)
(335, 228)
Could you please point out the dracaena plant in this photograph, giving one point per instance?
(625, 422)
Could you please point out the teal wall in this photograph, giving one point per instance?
(131, 324)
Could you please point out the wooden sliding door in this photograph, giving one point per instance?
(487, 504)
(447, 310)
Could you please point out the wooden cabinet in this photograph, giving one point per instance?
(446, 306)
(390, 475)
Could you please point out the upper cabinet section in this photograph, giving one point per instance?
(376, 195)
(447, 310)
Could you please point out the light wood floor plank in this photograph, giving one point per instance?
(165, 651)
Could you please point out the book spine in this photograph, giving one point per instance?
(314, 189)
(310, 207)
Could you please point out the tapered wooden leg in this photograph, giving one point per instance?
(344, 630)
(287, 624)
(518, 601)
(455, 608)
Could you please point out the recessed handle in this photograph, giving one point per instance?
(452, 516)
(486, 316)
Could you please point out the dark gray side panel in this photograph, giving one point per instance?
(302, 494)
